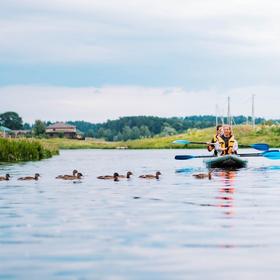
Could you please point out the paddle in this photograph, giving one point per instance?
(257, 146)
(273, 154)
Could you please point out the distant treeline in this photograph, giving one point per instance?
(126, 128)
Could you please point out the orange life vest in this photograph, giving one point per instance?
(230, 145)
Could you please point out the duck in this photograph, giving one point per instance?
(115, 177)
(72, 177)
(150, 176)
(5, 178)
(203, 175)
(128, 174)
(30, 178)
(74, 173)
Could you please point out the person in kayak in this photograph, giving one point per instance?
(211, 147)
(226, 143)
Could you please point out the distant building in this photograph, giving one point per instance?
(61, 129)
(22, 133)
(5, 132)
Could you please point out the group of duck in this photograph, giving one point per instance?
(78, 175)
(115, 177)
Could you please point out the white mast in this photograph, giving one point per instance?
(253, 110)
(217, 110)
(228, 112)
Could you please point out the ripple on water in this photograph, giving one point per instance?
(157, 229)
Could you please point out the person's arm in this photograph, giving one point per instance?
(235, 147)
(211, 147)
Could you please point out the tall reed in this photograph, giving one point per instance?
(13, 150)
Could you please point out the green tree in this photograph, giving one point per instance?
(109, 135)
(126, 133)
(144, 131)
(11, 120)
(90, 133)
(118, 137)
(168, 130)
(100, 133)
(135, 133)
(26, 126)
(39, 128)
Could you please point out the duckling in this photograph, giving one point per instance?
(203, 175)
(68, 177)
(5, 178)
(149, 176)
(29, 178)
(74, 173)
(128, 174)
(115, 177)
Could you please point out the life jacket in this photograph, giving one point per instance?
(230, 145)
(210, 147)
(215, 138)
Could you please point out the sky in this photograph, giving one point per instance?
(97, 60)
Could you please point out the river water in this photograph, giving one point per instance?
(177, 227)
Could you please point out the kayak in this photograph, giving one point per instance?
(226, 162)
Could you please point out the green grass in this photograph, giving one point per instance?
(63, 143)
(15, 150)
(244, 134)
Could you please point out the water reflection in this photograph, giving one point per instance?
(119, 230)
(227, 190)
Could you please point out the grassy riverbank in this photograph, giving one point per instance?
(245, 135)
(15, 150)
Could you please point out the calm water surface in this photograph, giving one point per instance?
(175, 228)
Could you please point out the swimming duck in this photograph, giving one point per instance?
(74, 173)
(203, 175)
(150, 176)
(72, 177)
(5, 178)
(29, 178)
(115, 177)
(128, 174)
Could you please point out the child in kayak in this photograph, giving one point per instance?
(219, 132)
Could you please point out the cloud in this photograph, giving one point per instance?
(81, 32)
(110, 102)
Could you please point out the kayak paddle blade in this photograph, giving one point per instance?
(272, 154)
(260, 146)
(183, 157)
(181, 142)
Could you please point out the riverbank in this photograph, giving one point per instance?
(246, 135)
(16, 150)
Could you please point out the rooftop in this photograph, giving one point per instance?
(60, 125)
(3, 128)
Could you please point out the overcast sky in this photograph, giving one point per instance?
(98, 60)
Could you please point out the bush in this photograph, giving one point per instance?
(13, 150)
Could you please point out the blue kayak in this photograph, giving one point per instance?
(226, 162)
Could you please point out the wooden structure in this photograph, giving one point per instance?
(61, 129)
(22, 133)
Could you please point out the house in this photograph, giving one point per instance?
(22, 133)
(5, 132)
(61, 129)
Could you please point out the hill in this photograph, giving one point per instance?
(138, 127)
(246, 135)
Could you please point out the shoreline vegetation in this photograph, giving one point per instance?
(245, 135)
(17, 150)
(25, 149)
